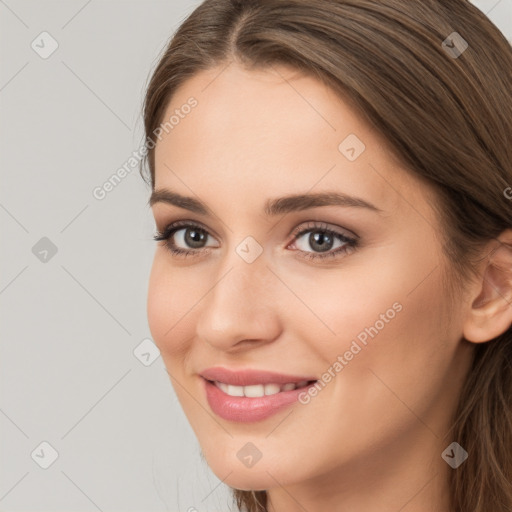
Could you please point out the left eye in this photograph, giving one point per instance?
(320, 240)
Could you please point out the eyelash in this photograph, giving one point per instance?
(171, 229)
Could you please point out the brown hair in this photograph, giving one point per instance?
(448, 119)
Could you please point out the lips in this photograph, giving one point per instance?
(251, 377)
(251, 395)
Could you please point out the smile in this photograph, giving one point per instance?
(259, 390)
(251, 395)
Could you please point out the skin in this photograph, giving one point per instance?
(382, 423)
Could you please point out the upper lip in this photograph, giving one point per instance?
(249, 377)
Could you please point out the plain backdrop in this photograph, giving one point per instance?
(88, 417)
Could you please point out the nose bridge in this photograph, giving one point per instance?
(240, 305)
(245, 272)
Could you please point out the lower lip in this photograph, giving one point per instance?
(244, 409)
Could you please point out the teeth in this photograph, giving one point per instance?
(222, 386)
(258, 390)
(235, 390)
(254, 391)
(271, 389)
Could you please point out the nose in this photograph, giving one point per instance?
(241, 309)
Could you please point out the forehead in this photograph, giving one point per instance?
(269, 132)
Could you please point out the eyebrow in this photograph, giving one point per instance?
(273, 207)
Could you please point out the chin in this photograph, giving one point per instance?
(245, 479)
(265, 473)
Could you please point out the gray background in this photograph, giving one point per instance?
(71, 322)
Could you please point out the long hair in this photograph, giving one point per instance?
(445, 111)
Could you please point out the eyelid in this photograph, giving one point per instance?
(321, 225)
(183, 223)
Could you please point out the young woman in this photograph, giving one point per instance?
(331, 182)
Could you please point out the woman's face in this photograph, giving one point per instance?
(274, 283)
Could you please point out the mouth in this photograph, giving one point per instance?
(251, 395)
(259, 390)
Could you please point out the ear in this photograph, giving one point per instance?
(490, 311)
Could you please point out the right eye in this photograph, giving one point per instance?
(190, 236)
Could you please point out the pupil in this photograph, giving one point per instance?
(320, 240)
(194, 237)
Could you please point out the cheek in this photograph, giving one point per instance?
(170, 301)
(390, 316)
(344, 305)
(404, 360)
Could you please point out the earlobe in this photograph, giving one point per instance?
(490, 311)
